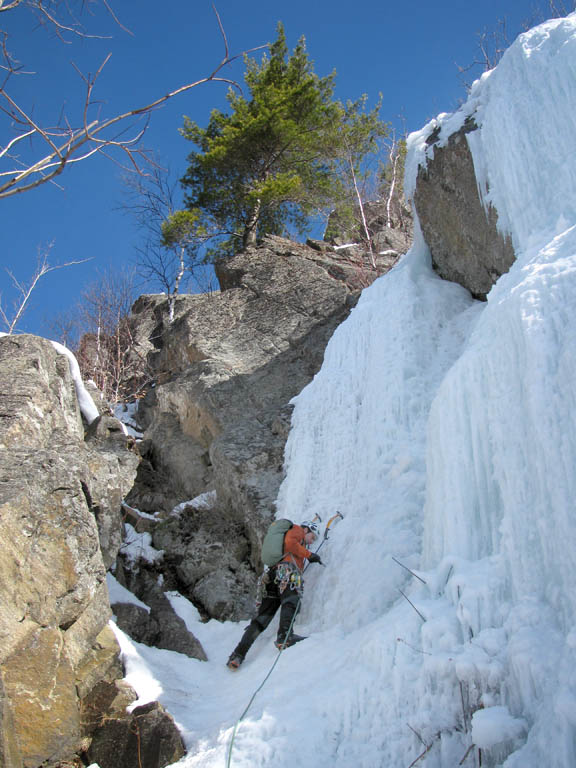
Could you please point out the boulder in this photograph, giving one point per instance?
(204, 556)
(146, 738)
(462, 234)
(108, 699)
(59, 500)
(160, 627)
(206, 552)
(135, 621)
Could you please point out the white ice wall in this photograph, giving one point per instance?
(501, 463)
(446, 430)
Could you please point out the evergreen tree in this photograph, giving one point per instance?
(276, 158)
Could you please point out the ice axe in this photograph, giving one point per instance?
(337, 516)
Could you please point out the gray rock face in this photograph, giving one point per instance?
(136, 622)
(207, 553)
(463, 237)
(225, 370)
(218, 417)
(59, 498)
(204, 555)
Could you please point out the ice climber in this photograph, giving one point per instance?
(281, 587)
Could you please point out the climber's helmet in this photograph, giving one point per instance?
(312, 527)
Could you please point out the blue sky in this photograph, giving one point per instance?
(409, 52)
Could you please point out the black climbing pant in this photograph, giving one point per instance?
(288, 601)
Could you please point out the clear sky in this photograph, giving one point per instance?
(410, 52)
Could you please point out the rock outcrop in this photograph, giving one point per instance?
(218, 416)
(462, 235)
(145, 738)
(226, 370)
(60, 495)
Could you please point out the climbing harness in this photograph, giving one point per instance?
(337, 516)
(284, 575)
(288, 575)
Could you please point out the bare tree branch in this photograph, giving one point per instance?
(10, 6)
(362, 212)
(66, 144)
(169, 255)
(107, 351)
(25, 290)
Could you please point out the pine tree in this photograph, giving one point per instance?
(276, 158)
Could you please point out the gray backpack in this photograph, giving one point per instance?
(273, 544)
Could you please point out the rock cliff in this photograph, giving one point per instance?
(218, 416)
(60, 495)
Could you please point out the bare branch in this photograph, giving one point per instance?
(222, 32)
(409, 571)
(116, 19)
(421, 755)
(362, 212)
(470, 748)
(57, 24)
(107, 348)
(26, 119)
(413, 606)
(25, 291)
(46, 17)
(11, 6)
(15, 140)
(67, 144)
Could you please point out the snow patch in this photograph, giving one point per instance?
(205, 501)
(138, 546)
(494, 725)
(87, 407)
(119, 594)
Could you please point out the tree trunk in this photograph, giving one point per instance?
(362, 212)
(394, 162)
(174, 292)
(251, 228)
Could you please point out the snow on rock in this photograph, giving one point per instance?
(127, 415)
(119, 594)
(138, 546)
(204, 501)
(87, 407)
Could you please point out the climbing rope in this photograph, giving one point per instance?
(338, 515)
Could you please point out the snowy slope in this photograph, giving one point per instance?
(444, 430)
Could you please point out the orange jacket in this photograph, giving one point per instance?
(294, 549)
